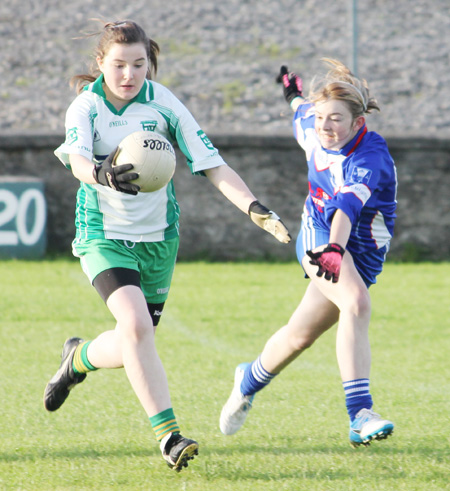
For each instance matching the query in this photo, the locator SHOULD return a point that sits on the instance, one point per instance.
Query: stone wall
(275, 170)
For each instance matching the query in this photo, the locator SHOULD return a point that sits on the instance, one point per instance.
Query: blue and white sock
(357, 396)
(255, 378)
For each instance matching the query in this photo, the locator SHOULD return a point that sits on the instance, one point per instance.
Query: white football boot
(236, 409)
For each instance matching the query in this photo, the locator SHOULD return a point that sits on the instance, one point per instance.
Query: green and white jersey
(94, 128)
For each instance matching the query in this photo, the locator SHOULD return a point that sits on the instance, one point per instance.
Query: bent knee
(358, 304)
(137, 328)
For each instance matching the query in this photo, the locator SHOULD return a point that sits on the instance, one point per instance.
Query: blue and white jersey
(360, 179)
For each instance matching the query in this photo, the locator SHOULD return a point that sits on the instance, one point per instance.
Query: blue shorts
(368, 264)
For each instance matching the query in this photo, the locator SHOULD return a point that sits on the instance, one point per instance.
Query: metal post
(354, 22)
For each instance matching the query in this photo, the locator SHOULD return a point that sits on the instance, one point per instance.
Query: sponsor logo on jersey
(149, 125)
(205, 140)
(160, 291)
(319, 197)
(71, 135)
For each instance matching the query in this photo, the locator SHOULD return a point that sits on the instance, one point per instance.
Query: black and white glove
(269, 221)
(116, 177)
(292, 84)
(329, 261)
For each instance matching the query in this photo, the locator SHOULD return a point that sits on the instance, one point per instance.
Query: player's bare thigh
(349, 293)
(314, 315)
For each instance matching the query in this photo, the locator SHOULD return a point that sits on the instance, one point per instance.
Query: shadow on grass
(381, 448)
(253, 463)
(78, 452)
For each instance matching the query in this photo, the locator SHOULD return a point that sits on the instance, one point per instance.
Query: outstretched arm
(231, 185)
(292, 87)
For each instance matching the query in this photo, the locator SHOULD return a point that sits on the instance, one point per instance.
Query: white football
(152, 156)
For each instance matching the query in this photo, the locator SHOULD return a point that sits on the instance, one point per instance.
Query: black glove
(292, 84)
(116, 177)
(269, 221)
(329, 261)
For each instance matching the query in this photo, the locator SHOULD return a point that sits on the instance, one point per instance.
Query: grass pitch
(218, 315)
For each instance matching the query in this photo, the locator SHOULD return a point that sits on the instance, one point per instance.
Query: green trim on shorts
(154, 261)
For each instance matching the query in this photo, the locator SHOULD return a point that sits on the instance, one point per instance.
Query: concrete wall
(275, 170)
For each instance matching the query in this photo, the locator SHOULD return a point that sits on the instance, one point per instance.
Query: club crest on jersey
(205, 140)
(149, 125)
(71, 136)
(359, 174)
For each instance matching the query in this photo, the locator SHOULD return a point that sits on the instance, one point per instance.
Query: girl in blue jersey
(127, 241)
(347, 225)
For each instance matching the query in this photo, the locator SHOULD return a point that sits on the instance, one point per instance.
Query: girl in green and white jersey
(127, 241)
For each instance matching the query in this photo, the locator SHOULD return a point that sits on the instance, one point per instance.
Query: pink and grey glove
(292, 84)
(329, 261)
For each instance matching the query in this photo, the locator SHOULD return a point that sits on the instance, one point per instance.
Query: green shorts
(154, 261)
